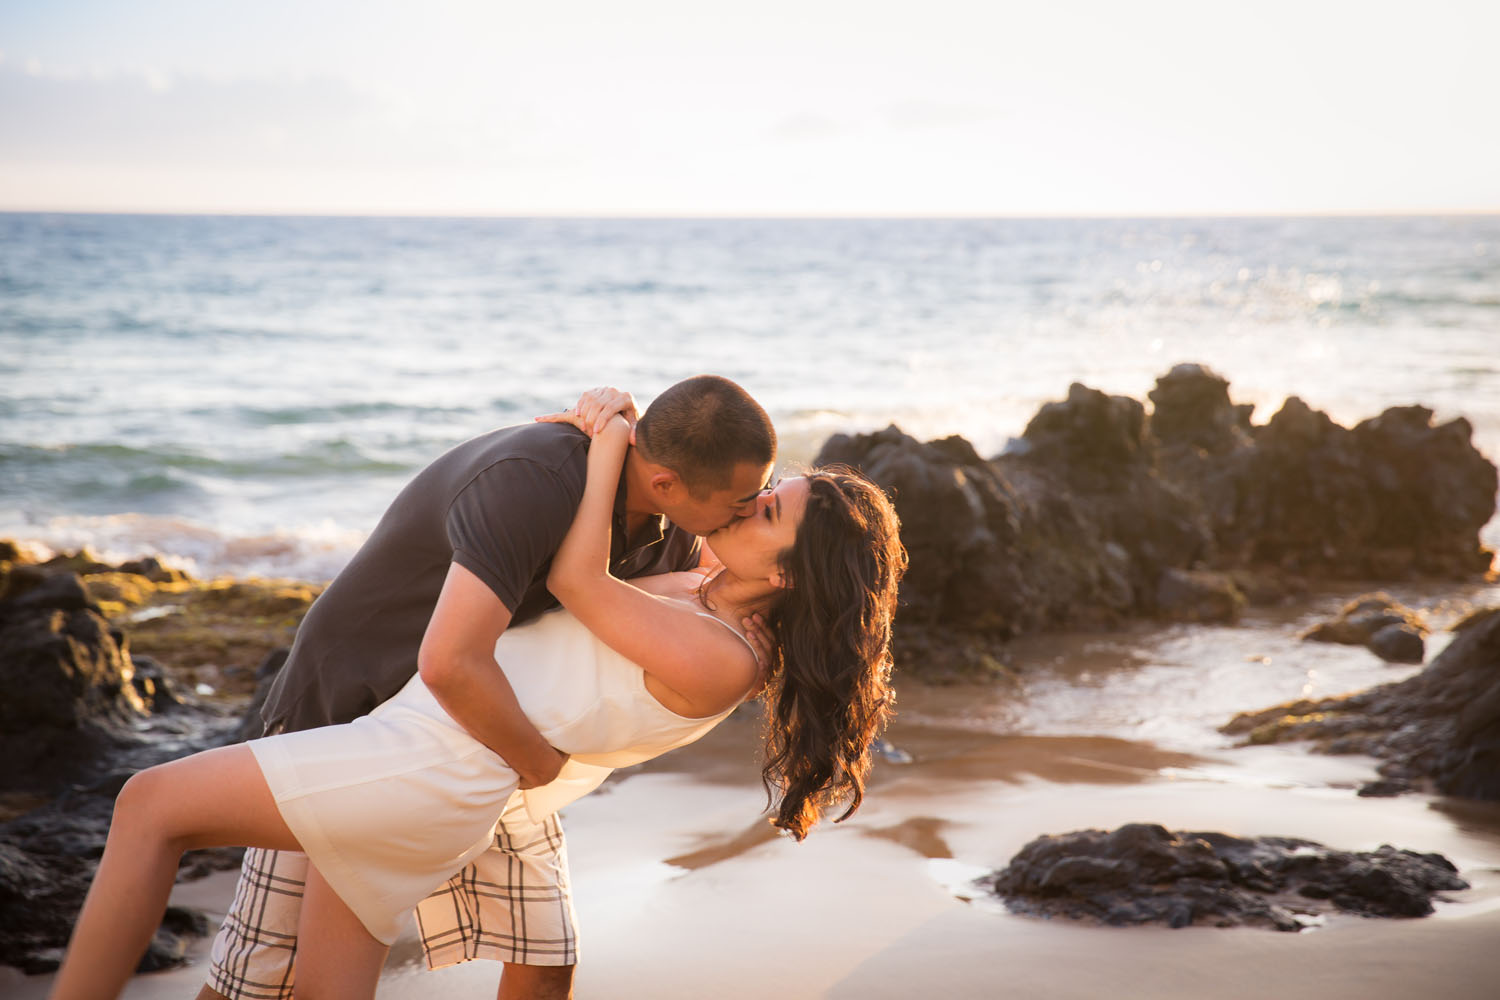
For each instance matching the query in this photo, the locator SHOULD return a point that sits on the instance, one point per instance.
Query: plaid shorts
(513, 903)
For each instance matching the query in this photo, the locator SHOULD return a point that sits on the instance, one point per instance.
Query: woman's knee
(140, 795)
(141, 806)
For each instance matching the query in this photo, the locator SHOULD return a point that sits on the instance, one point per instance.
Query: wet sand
(683, 890)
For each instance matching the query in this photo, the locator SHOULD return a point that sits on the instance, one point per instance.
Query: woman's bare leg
(211, 799)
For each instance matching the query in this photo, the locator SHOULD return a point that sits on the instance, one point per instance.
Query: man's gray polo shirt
(499, 505)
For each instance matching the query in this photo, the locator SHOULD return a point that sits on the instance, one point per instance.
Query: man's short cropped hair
(702, 428)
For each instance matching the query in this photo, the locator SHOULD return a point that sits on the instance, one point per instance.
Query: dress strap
(737, 633)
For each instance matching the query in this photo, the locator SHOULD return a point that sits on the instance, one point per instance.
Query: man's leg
(253, 954)
(512, 904)
(536, 982)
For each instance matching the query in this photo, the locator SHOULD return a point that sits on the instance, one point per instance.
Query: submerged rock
(1441, 725)
(1143, 873)
(1390, 630)
(1400, 643)
(1187, 595)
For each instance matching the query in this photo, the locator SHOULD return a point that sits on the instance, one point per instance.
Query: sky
(698, 107)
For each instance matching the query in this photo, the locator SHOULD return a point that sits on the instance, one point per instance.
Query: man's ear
(664, 482)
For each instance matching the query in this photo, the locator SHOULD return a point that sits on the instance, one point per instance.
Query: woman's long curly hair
(828, 693)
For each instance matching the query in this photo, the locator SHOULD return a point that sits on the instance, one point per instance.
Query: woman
(388, 806)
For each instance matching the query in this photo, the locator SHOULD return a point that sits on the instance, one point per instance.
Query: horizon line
(767, 217)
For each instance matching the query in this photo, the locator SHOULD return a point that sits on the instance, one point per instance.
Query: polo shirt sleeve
(507, 523)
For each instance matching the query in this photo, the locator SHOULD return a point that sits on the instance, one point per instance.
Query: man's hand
(594, 408)
(535, 776)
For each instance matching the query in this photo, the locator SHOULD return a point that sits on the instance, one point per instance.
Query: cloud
(152, 117)
(805, 126)
(155, 118)
(933, 114)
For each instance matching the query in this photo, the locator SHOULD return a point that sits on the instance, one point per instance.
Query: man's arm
(457, 663)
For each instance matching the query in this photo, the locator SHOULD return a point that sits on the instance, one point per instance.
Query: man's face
(716, 510)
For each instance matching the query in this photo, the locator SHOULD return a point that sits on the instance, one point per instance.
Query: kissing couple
(438, 707)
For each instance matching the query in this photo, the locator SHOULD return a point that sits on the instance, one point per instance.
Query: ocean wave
(279, 415)
(606, 289)
(338, 455)
(314, 552)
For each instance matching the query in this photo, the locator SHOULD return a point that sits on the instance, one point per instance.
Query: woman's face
(751, 546)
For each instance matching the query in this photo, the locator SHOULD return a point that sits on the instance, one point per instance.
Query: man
(462, 554)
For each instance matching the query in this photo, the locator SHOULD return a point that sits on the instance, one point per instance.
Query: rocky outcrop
(1070, 528)
(1143, 873)
(82, 712)
(1072, 531)
(1440, 727)
(1101, 513)
(69, 685)
(47, 861)
(1395, 497)
(1390, 630)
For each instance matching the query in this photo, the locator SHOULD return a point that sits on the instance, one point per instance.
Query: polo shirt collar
(652, 531)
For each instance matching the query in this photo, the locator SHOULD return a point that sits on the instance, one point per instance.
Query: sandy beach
(684, 891)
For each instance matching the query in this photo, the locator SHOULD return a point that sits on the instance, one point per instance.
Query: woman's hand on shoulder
(594, 410)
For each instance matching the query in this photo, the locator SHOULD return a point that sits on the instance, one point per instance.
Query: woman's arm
(584, 553)
(695, 659)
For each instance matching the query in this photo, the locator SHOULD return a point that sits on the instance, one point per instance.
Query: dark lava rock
(1143, 873)
(1191, 409)
(154, 687)
(47, 861)
(960, 523)
(1096, 437)
(1399, 643)
(1394, 497)
(1187, 595)
(1442, 724)
(1102, 513)
(1075, 530)
(1383, 789)
(67, 678)
(1090, 455)
(251, 725)
(1391, 631)
(78, 717)
(41, 892)
(152, 569)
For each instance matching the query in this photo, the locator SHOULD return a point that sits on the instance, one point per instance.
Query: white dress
(390, 805)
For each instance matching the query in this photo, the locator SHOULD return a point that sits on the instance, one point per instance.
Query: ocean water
(246, 394)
